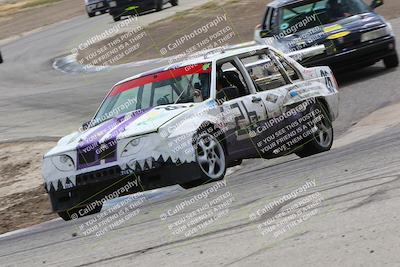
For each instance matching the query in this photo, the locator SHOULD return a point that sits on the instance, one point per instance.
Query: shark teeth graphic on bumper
(63, 183)
(149, 163)
(137, 166)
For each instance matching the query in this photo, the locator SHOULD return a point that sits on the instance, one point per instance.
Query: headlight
(132, 147)
(375, 34)
(390, 28)
(63, 163)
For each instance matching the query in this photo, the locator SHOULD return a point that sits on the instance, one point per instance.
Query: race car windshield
(187, 84)
(310, 14)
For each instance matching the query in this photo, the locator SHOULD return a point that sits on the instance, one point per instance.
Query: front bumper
(360, 55)
(113, 182)
(154, 164)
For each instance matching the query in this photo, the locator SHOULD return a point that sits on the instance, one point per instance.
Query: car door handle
(256, 99)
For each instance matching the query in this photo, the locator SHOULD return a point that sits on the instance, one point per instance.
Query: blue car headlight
(375, 34)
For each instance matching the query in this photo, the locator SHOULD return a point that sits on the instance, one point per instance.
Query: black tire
(210, 155)
(91, 15)
(1, 58)
(391, 61)
(323, 138)
(174, 2)
(159, 5)
(116, 18)
(74, 213)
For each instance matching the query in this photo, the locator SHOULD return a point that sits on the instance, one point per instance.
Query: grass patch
(11, 7)
(34, 3)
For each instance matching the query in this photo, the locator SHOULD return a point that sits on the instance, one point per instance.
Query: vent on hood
(93, 154)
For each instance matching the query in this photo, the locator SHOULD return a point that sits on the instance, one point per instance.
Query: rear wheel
(323, 137)
(91, 14)
(159, 5)
(174, 2)
(391, 61)
(73, 214)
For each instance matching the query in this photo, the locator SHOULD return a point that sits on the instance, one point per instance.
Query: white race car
(187, 123)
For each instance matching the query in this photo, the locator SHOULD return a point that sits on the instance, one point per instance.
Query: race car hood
(132, 124)
(351, 28)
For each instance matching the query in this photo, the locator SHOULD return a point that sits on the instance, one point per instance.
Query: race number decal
(240, 117)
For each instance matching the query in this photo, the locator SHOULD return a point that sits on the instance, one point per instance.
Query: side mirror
(376, 3)
(228, 93)
(85, 126)
(266, 33)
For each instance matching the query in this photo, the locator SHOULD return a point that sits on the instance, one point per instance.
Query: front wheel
(174, 2)
(211, 157)
(391, 61)
(91, 15)
(322, 139)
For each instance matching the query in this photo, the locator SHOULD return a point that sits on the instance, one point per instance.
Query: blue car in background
(341, 34)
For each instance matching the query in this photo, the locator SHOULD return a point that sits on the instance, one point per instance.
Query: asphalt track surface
(357, 219)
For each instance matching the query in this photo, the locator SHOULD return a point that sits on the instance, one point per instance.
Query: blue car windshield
(309, 14)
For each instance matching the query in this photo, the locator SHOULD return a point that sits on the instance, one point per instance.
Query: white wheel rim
(210, 156)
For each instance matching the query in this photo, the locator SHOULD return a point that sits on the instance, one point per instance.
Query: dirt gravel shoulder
(25, 209)
(242, 17)
(40, 16)
(23, 201)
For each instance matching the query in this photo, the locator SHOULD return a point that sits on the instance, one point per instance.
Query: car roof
(208, 56)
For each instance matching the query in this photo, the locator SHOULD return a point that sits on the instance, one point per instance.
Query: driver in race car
(221, 83)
